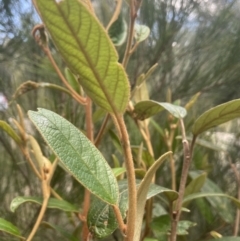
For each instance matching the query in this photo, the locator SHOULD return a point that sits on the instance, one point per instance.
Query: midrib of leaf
(91, 65)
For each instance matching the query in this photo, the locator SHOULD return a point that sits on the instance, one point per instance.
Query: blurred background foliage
(195, 43)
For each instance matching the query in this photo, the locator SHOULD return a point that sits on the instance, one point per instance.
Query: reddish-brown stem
(121, 224)
(132, 192)
(87, 194)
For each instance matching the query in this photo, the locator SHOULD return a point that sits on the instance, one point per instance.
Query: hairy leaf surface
(79, 156)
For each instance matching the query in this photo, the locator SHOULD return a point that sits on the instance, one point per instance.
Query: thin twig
(186, 164)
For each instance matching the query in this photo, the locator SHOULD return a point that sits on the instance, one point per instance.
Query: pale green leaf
(79, 156)
(217, 116)
(117, 171)
(9, 130)
(8, 227)
(88, 51)
(142, 194)
(72, 80)
(53, 203)
(118, 31)
(148, 108)
(141, 32)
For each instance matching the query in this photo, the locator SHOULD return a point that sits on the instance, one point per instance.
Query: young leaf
(216, 116)
(141, 32)
(9, 130)
(79, 156)
(88, 51)
(148, 108)
(142, 194)
(72, 80)
(52, 203)
(118, 31)
(8, 227)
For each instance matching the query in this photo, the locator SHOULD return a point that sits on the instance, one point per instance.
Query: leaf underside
(148, 108)
(78, 155)
(216, 116)
(88, 51)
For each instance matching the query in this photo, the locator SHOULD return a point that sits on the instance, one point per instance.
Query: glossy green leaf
(88, 51)
(148, 108)
(72, 80)
(142, 194)
(9, 130)
(65, 234)
(8, 227)
(118, 31)
(101, 218)
(52, 203)
(217, 116)
(79, 156)
(141, 32)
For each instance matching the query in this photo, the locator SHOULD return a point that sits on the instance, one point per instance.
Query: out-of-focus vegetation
(196, 46)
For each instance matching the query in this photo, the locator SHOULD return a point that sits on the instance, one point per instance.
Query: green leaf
(53, 203)
(225, 239)
(101, 218)
(8, 227)
(67, 236)
(118, 171)
(217, 116)
(195, 186)
(72, 80)
(79, 156)
(223, 206)
(142, 194)
(201, 195)
(141, 32)
(9, 130)
(88, 51)
(118, 31)
(162, 225)
(148, 108)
